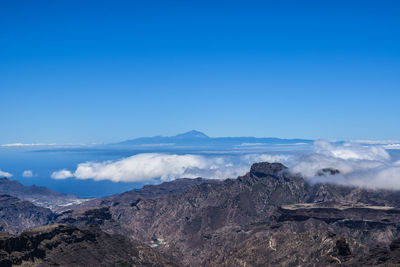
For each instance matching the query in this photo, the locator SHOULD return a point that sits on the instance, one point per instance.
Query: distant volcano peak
(192, 134)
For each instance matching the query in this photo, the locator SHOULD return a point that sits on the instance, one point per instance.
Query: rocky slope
(237, 222)
(62, 245)
(39, 195)
(148, 191)
(18, 215)
(268, 217)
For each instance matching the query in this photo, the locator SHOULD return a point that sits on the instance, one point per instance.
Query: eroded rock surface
(62, 245)
(268, 217)
(17, 215)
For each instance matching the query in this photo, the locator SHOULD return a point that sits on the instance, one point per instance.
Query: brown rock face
(262, 169)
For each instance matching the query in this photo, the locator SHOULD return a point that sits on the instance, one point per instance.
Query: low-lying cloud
(366, 165)
(139, 168)
(5, 174)
(62, 174)
(22, 144)
(149, 166)
(27, 173)
(351, 151)
(252, 158)
(347, 158)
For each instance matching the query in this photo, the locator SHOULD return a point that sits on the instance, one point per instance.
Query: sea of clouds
(149, 166)
(360, 164)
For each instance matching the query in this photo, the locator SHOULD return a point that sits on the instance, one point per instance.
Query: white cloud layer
(27, 173)
(149, 166)
(252, 158)
(139, 168)
(62, 174)
(375, 142)
(351, 151)
(359, 165)
(22, 144)
(5, 174)
(392, 146)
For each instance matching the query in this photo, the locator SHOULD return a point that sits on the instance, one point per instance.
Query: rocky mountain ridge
(18, 215)
(38, 195)
(198, 138)
(209, 221)
(268, 217)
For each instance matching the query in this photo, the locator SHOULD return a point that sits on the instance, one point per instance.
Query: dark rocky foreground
(268, 217)
(62, 245)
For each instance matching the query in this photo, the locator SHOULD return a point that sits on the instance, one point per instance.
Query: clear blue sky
(103, 71)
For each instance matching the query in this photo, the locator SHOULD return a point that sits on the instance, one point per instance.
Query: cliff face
(18, 215)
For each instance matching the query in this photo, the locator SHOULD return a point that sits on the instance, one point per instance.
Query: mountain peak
(266, 168)
(192, 134)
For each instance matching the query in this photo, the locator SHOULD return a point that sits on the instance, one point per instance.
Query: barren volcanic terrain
(268, 217)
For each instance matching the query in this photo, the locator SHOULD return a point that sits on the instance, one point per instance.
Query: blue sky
(104, 71)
